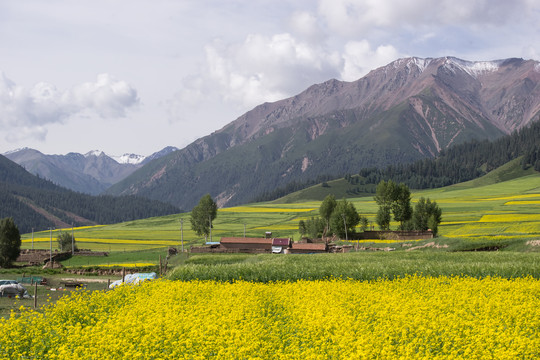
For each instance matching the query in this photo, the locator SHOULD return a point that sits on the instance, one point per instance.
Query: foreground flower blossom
(411, 318)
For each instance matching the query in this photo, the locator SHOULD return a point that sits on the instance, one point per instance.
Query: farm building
(246, 243)
(261, 245)
(308, 248)
(279, 245)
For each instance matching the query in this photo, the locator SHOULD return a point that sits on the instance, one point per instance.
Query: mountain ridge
(399, 113)
(410, 109)
(89, 173)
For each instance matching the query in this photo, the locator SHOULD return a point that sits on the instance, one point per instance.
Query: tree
(401, 204)
(427, 215)
(302, 227)
(364, 223)
(314, 227)
(65, 240)
(344, 218)
(384, 193)
(393, 199)
(10, 242)
(384, 196)
(326, 209)
(383, 217)
(202, 216)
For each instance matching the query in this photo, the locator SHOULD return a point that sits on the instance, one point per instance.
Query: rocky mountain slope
(409, 109)
(90, 173)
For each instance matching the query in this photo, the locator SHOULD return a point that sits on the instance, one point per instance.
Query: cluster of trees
(202, 216)
(336, 217)
(10, 242)
(531, 158)
(395, 199)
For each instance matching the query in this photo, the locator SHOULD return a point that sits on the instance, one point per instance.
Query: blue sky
(138, 75)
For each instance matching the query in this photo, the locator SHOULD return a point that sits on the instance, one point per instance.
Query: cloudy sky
(138, 75)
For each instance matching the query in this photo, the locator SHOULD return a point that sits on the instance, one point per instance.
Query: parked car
(12, 288)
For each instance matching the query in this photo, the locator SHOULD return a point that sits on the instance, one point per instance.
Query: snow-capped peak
(475, 68)
(133, 159)
(421, 63)
(16, 150)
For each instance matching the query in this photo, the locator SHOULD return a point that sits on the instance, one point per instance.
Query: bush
(65, 240)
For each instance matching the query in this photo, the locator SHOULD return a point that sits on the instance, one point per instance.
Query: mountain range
(36, 203)
(89, 173)
(410, 109)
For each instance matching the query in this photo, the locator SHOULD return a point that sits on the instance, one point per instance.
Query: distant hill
(90, 173)
(38, 203)
(475, 163)
(408, 110)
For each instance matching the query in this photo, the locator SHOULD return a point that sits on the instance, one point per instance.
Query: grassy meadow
(476, 212)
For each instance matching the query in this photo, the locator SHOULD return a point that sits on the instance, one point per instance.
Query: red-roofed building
(308, 248)
(246, 243)
(279, 245)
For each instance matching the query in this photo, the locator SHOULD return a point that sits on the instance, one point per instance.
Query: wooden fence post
(35, 295)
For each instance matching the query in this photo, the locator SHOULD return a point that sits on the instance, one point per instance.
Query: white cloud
(26, 112)
(107, 97)
(260, 69)
(306, 25)
(354, 17)
(360, 58)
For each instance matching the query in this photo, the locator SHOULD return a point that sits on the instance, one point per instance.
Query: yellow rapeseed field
(410, 318)
(259, 209)
(109, 241)
(127, 265)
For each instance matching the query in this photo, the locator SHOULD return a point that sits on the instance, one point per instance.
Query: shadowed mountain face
(35, 203)
(90, 173)
(409, 109)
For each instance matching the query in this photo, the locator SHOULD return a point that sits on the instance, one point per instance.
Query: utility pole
(72, 241)
(244, 230)
(182, 233)
(345, 224)
(210, 219)
(32, 238)
(50, 247)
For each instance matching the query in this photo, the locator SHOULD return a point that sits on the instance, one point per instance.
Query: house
(279, 245)
(308, 248)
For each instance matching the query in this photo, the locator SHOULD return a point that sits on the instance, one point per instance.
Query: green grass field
(477, 211)
(357, 265)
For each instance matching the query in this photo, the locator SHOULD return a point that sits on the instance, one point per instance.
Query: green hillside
(35, 203)
(348, 187)
(485, 209)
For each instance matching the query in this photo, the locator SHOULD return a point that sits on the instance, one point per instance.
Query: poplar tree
(202, 216)
(10, 242)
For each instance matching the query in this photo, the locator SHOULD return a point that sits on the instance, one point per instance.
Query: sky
(135, 76)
